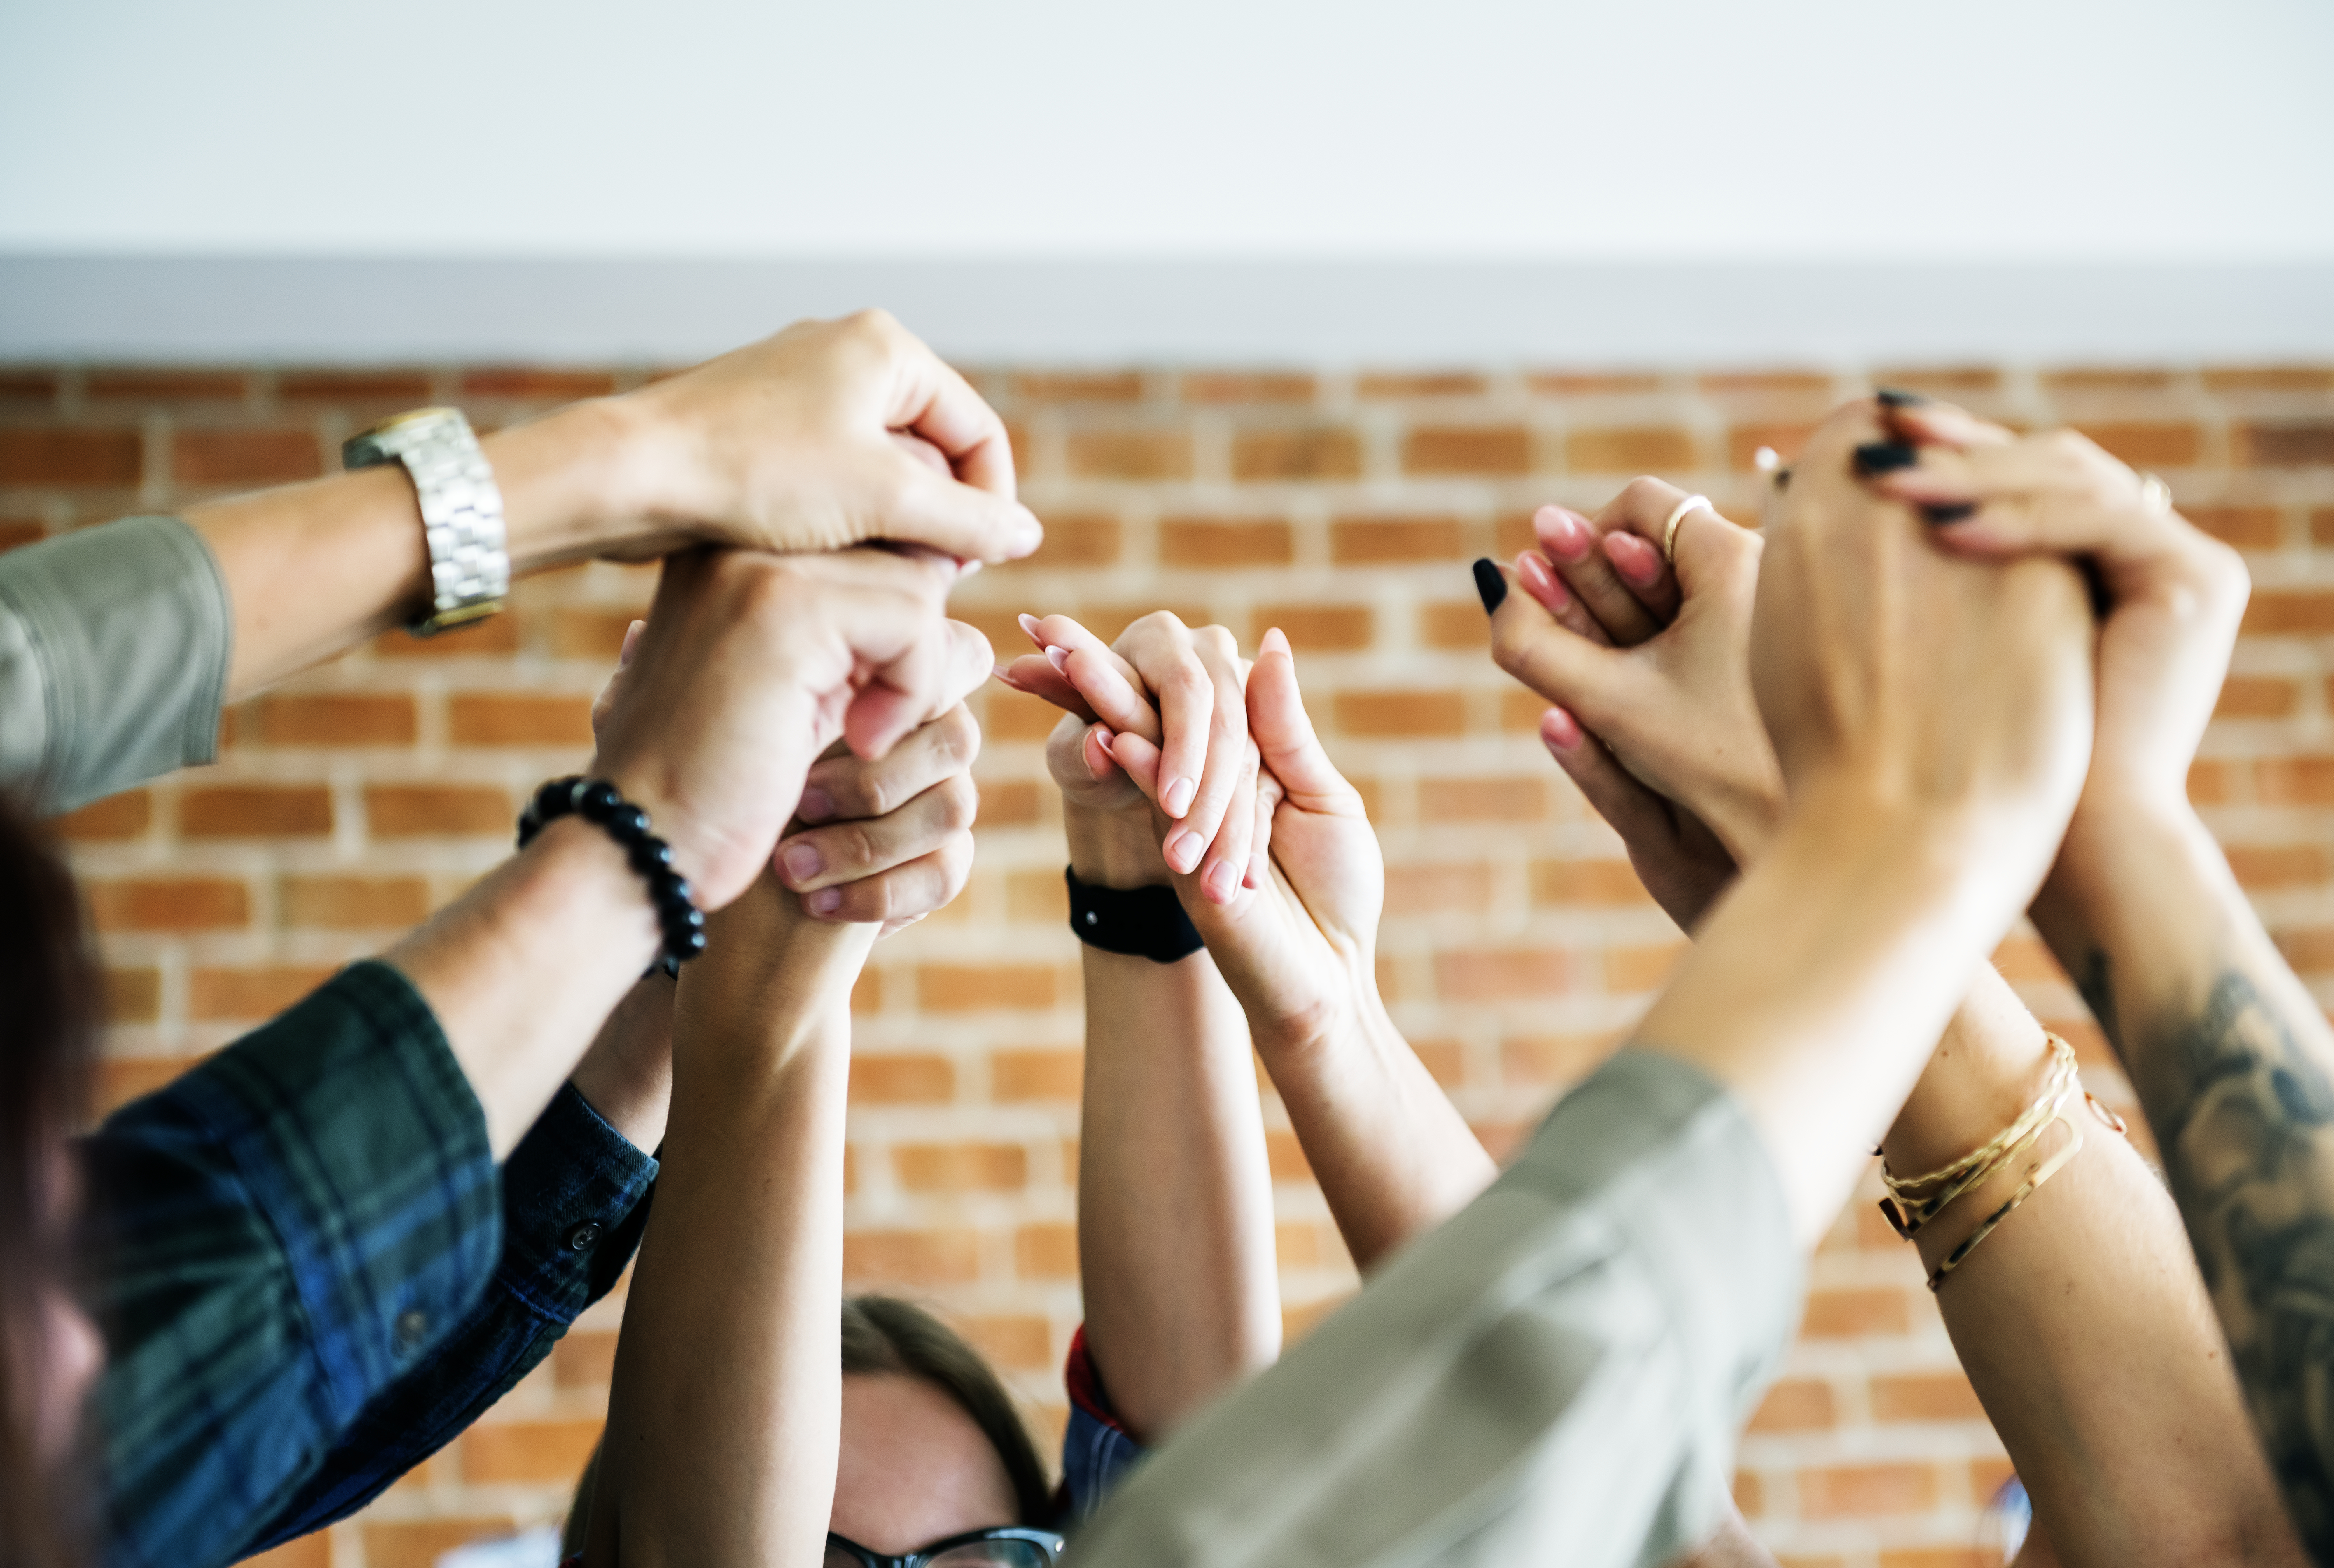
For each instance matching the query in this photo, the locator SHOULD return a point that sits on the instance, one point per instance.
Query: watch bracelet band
(1139, 922)
(461, 510)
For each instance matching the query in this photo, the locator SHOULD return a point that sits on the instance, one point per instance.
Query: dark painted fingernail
(1876, 457)
(1951, 512)
(1490, 585)
(1892, 398)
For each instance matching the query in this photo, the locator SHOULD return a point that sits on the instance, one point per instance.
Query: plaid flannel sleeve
(575, 1196)
(283, 1233)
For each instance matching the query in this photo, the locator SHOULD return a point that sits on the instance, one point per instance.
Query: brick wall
(1341, 507)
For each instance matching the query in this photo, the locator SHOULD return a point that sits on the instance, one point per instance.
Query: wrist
(1114, 849)
(581, 868)
(580, 483)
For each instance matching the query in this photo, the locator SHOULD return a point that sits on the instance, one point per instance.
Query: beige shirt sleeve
(113, 658)
(1555, 1376)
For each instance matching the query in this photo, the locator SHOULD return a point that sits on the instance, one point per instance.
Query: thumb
(1553, 660)
(922, 506)
(1283, 732)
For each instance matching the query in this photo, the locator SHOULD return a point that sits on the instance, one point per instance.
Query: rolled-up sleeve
(114, 643)
(1556, 1375)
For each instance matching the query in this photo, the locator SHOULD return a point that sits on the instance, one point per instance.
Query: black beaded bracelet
(1140, 922)
(598, 802)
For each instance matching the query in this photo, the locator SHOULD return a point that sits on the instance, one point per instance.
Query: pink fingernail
(1255, 877)
(1222, 881)
(1005, 677)
(1177, 797)
(801, 860)
(1560, 730)
(1059, 658)
(1029, 625)
(1542, 583)
(1563, 533)
(815, 805)
(1183, 850)
(825, 902)
(1633, 558)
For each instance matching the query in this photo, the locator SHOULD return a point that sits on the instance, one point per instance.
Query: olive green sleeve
(113, 656)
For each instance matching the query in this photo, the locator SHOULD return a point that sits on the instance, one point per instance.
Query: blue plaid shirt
(312, 1277)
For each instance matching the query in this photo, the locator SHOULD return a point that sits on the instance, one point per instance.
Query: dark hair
(883, 1335)
(48, 1024)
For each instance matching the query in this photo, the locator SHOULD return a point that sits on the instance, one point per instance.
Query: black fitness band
(1140, 922)
(597, 802)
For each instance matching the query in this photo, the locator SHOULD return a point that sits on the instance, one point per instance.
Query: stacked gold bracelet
(1913, 1201)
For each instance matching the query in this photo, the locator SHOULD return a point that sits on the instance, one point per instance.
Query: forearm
(626, 1074)
(1175, 1236)
(2088, 1278)
(1393, 1155)
(2234, 1066)
(522, 969)
(314, 569)
(726, 1394)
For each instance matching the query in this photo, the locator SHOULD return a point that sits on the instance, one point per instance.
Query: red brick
(1459, 625)
(1316, 628)
(1317, 452)
(1424, 890)
(1130, 455)
(1227, 542)
(1519, 711)
(403, 388)
(1285, 1157)
(308, 1552)
(2104, 379)
(1244, 387)
(518, 718)
(1852, 1313)
(495, 634)
(1415, 384)
(2310, 951)
(2290, 866)
(122, 816)
(244, 457)
(1863, 1491)
(1744, 441)
(867, 992)
(420, 1543)
(1501, 974)
(1483, 800)
(168, 904)
(354, 903)
(1590, 384)
(1078, 541)
(2321, 525)
(1021, 1343)
(1046, 1252)
(966, 988)
(2246, 527)
(883, 1079)
(69, 457)
(519, 384)
(1077, 386)
(961, 1167)
(341, 718)
(1032, 1074)
(1008, 715)
(1631, 971)
(1810, 384)
(2283, 445)
(27, 385)
(2148, 444)
(123, 1078)
(252, 994)
(1947, 382)
(15, 533)
(585, 1358)
(1397, 714)
(504, 1452)
(1938, 1557)
(1658, 450)
(1924, 1397)
(2274, 611)
(2269, 378)
(1498, 450)
(1797, 1405)
(256, 811)
(136, 384)
(1383, 540)
(436, 810)
(1013, 803)
(596, 635)
(911, 1257)
(2283, 781)
(1596, 883)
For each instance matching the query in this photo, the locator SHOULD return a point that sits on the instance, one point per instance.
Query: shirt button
(583, 1236)
(410, 1327)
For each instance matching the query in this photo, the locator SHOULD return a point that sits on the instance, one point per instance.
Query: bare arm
(727, 1397)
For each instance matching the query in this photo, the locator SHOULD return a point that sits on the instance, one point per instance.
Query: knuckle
(855, 845)
(956, 736)
(1645, 493)
(958, 804)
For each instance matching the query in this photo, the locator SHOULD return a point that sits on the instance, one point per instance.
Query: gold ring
(2155, 495)
(1670, 528)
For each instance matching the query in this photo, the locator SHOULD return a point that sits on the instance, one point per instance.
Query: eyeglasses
(976, 1549)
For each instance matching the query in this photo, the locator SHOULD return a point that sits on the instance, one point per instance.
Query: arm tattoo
(2247, 1129)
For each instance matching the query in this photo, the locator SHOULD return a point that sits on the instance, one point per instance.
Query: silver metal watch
(461, 510)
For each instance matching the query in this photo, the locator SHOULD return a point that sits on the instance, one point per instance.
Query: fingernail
(1183, 850)
(1177, 797)
(825, 902)
(1029, 625)
(1891, 398)
(815, 805)
(1256, 872)
(1541, 583)
(1490, 586)
(1633, 558)
(1223, 881)
(801, 860)
(1059, 658)
(1565, 533)
(1948, 514)
(1876, 457)
(965, 568)
(1560, 730)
